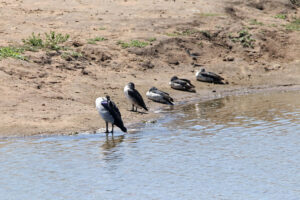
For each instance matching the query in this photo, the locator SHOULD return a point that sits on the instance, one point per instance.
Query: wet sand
(52, 95)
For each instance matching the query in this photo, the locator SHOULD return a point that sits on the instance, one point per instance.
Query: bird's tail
(124, 129)
(145, 107)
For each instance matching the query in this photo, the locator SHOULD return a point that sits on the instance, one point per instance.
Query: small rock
(229, 59)
(77, 44)
(84, 72)
(147, 64)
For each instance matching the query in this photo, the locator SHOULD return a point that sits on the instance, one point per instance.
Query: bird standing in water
(108, 110)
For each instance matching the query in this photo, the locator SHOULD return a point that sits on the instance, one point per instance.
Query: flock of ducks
(110, 113)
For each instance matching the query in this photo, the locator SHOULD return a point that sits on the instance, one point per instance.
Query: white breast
(175, 85)
(102, 111)
(153, 96)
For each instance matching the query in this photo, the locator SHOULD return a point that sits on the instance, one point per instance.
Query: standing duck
(181, 84)
(108, 110)
(209, 77)
(159, 96)
(134, 97)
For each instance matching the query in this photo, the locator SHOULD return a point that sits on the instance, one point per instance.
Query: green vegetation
(51, 41)
(187, 32)
(152, 39)
(133, 43)
(102, 28)
(95, 40)
(294, 25)
(12, 52)
(255, 22)
(73, 54)
(281, 16)
(245, 39)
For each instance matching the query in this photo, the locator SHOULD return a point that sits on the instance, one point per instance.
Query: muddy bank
(252, 44)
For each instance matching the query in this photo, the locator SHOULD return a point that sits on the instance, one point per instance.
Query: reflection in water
(236, 111)
(228, 148)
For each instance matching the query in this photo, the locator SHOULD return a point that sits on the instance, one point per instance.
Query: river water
(245, 147)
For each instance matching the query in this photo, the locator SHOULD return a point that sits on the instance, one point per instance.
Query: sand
(51, 94)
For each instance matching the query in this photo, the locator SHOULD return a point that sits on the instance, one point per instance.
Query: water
(232, 148)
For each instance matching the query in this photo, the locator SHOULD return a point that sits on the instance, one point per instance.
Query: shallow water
(244, 147)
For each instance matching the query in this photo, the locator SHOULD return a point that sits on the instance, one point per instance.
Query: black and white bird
(209, 77)
(134, 97)
(181, 84)
(159, 96)
(108, 110)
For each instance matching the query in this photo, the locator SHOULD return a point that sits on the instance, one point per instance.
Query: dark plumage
(159, 96)
(209, 77)
(181, 84)
(134, 97)
(110, 113)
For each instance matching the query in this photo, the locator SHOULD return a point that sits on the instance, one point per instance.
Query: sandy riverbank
(50, 93)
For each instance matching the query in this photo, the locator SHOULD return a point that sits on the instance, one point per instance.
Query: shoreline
(184, 100)
(51, 89)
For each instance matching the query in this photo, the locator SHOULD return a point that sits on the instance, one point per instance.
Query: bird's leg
(136, 109)
(106, 123)
(112, 129)
(132, 109)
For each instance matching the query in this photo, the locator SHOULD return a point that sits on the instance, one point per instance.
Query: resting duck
(159, 96)
(108, 110)
(181, 84)
(134, 97)
(210, 77)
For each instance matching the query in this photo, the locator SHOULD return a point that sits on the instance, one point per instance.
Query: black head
(202, 70)
(131, 85)
(107, 97)
(174, 78)
(153, 88)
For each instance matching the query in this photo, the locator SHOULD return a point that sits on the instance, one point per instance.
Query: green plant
(53, 40)
(73, 54)
(96, 39)
(281, 16)
(12, 52)
(133, 43)
(34, 40)
(294, 25)
(255, 22)
(102, 28)
(186, 32)
(152, 39)
(244, 37)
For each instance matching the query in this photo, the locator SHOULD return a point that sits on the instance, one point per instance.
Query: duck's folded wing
(188, 81)
(137, 96)
(114, 108)
(212, 75)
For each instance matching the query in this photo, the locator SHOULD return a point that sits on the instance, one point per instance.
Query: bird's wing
(188, 81)
(113, 106)
(137, 96)
(114, 111)
(212, 75)
(161, 92)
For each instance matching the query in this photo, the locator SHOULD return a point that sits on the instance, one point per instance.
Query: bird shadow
(139, 112)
